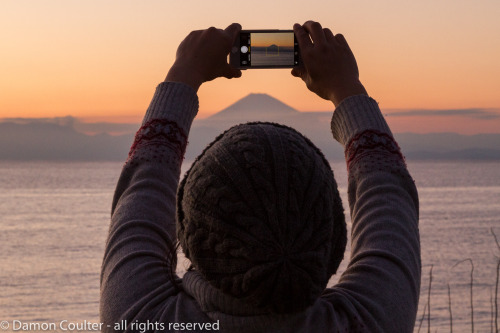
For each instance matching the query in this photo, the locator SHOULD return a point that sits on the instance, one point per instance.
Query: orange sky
(102, 58)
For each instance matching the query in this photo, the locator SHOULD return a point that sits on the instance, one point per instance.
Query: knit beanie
(260, 217)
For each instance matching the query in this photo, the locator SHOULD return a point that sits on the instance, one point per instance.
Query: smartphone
(265, 49)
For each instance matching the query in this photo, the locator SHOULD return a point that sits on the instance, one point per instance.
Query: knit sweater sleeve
(135, 275)
(381, 284)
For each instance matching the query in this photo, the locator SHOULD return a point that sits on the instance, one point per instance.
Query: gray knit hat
(260, 217)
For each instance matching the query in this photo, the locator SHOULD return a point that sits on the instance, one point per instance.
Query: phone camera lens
(244, 49)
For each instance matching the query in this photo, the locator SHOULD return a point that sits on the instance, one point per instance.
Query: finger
(330, 37)
(341, 40)
(233, 30)
(302, 37)
(298, 71)
(230, 72)
(316, 31)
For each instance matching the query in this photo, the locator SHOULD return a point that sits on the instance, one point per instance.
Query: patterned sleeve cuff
(156, 139)
(358, 124)
(357, 114)
(173, 101)
(164, 132)
(374, 143)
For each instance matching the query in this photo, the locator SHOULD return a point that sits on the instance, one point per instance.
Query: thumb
(297, 72)
(230, 72)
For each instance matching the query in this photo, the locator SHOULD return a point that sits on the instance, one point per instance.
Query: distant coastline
(69, 139)
(49, 141)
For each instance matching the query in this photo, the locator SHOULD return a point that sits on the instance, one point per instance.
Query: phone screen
(268, 49)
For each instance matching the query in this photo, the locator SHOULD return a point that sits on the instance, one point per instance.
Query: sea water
(54, 220)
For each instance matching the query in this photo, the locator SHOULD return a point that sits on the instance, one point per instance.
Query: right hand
(202, 56)
(328, 67)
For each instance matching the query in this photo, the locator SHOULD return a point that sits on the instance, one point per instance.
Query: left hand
(328, 67)
(202, 56)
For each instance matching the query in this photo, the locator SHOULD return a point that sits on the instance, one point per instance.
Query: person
(259, 214)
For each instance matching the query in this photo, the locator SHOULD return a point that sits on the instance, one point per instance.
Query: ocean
(54, 220)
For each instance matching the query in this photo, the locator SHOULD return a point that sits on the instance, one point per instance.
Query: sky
(102, 59)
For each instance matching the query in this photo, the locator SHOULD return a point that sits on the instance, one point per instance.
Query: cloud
(69, 121)
(78, 125)
(485, 114)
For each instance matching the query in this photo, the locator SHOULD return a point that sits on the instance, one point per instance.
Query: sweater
(378, 291)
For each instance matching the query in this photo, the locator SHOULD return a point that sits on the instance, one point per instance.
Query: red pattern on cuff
(371, 141)
(159, 133)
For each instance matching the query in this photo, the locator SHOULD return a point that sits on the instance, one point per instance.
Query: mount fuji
(255, 107)
(262, 107)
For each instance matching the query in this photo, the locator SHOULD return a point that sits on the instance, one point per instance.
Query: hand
(328, 66)
(202, 56)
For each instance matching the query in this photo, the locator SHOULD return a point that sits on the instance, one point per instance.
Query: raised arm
(380, 288)
(139, 253)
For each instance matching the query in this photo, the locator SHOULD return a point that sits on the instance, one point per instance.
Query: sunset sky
(102, 59)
